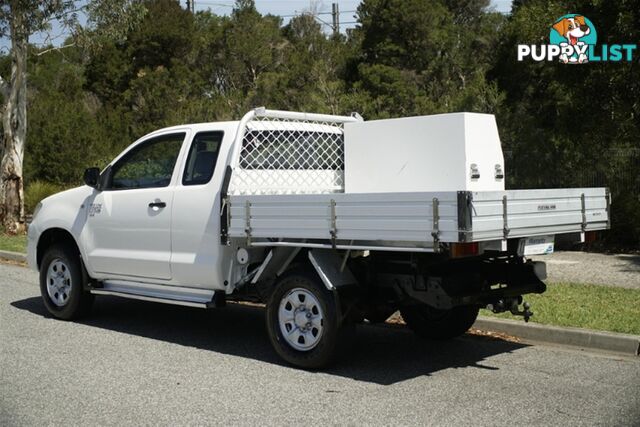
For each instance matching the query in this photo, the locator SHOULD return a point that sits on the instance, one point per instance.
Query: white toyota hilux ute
(329, 220)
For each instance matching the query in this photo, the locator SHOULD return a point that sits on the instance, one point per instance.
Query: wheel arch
(54, 236)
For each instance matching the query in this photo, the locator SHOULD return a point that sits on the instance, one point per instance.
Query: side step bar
(190, 297)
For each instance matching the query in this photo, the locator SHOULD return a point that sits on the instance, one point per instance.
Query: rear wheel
(62, 283)
(303, 321)
(432, 323)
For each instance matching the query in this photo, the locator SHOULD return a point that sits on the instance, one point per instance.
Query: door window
(149, 164)
(201, 161)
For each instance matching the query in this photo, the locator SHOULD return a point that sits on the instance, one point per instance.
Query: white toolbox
(444, 152)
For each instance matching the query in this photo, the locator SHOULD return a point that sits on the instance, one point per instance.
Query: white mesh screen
(290, 157)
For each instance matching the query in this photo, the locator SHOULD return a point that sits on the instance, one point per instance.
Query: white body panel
(426, 153)
(423, 163)
(125, 239)
(197, 257)
(124, 235)
(64, 211)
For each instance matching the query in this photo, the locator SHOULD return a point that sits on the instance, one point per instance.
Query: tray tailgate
(539, 212)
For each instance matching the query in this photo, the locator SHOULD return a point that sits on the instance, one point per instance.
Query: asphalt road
(135, 363)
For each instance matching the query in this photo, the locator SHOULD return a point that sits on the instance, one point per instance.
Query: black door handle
(157, 205)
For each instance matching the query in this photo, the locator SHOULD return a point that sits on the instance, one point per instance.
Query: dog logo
(574, 34)
(573, 40)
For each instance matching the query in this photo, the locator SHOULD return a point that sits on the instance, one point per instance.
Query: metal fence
(617, 169)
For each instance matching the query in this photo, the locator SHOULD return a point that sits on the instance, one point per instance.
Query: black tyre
(432, 323)
(303, 321)
(62, 283)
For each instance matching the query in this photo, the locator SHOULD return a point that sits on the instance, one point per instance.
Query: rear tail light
(459, 250)
(590, 236)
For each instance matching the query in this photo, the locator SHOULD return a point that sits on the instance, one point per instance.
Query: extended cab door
(197, 258)
(129, 221)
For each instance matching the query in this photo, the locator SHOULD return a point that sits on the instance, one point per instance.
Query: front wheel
(62, 283)
(432, 323)
(303, 321)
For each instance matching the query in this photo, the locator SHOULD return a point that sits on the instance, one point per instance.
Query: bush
(36, 191)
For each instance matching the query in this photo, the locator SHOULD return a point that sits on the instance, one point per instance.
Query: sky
(284, 8)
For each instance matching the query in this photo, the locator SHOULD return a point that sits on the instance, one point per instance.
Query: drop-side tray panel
(408, 218)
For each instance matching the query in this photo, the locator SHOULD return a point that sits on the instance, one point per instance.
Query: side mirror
(92, 177)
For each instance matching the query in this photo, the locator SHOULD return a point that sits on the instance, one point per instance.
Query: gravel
(618, 270)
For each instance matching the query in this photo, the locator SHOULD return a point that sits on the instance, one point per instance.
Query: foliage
(420, 57)
(142, 65)
(19, 19)
(577, 124)
(65, 134)
(36, 192)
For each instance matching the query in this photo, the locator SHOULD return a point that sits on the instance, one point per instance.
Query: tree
(65, 133)
(580, 124)
(251, 46)
(424, 56)
(18, 20)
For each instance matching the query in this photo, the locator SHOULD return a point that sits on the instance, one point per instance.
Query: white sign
(539, 245)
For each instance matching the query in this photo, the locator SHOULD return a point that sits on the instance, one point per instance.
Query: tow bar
(512, 305)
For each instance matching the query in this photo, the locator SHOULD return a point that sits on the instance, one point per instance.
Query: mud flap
(328, 265)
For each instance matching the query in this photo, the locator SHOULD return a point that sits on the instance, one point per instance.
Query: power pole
(335, 15)
(191, 6)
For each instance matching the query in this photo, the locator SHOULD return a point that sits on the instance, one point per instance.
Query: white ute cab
(329, 220)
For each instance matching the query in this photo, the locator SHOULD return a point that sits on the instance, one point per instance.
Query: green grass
(585, 306)
(13, 243)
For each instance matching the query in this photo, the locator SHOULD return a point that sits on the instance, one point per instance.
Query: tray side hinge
(583, 204)
(334, 229)
(247, 225)
(505, 222)
(435, 229)
(465, 217)
(607, 195)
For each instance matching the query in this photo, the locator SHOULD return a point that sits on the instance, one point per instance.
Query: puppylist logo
(573, 40)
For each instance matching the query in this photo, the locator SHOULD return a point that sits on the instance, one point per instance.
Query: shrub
(36, 191)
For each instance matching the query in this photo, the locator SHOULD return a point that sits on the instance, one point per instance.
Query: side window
(148, 165)
(201, 161)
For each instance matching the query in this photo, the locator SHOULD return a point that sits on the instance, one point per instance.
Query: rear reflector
(459, 250)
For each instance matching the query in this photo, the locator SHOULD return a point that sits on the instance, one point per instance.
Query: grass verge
(11, 243)
(602, 308)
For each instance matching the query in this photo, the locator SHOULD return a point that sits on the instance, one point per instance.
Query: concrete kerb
(575, 337)
(13, 256)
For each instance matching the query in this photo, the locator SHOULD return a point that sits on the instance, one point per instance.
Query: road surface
(137, 363)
